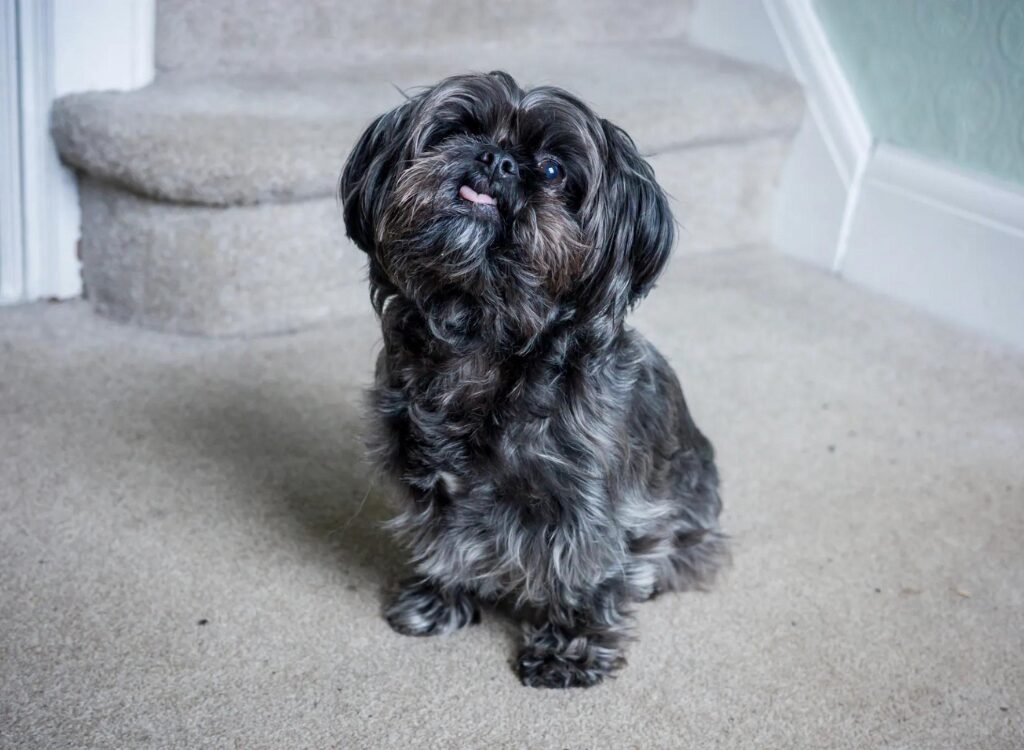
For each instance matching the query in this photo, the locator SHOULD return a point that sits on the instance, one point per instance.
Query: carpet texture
(233, 139)
(231, 270)
(199, 188)
(192, 556)
(216, 270)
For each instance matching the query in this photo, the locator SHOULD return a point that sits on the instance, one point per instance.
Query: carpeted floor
(191, 553)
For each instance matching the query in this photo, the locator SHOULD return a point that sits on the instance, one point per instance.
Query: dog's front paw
(420, 608)
(551, 658)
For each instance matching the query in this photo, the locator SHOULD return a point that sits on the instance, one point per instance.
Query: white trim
(11, 242)
(49, 269)
(817, 194)
(854, 188)
(944, 240)
(830, 98)
(974, 197)
(63, 46)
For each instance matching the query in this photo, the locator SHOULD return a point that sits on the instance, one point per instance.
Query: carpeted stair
(209, 196)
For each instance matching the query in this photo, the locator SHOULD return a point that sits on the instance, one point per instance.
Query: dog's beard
(431, 235)
(514, 258)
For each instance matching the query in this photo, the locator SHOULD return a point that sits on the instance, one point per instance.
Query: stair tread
(237, 139)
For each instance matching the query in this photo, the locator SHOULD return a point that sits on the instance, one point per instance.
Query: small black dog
(546, 457)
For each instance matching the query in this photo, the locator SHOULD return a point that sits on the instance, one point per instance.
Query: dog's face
(477, 188)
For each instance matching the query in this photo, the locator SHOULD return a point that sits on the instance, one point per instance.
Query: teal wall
(944, 78)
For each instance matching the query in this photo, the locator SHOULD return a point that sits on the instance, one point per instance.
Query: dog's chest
(498, 457)
(469, 426)
(495, 497)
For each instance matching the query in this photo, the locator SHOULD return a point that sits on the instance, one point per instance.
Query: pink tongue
(474, 197)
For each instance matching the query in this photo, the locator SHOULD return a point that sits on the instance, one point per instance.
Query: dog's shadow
(294, 468)
(295, 464)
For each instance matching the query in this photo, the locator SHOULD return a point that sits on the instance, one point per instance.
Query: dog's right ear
(370, 173)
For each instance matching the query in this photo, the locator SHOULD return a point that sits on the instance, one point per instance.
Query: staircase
(208, 197)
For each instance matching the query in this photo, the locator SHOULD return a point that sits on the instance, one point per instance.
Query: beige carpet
(191, 556)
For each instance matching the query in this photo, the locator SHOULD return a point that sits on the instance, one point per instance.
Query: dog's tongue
(474, 197)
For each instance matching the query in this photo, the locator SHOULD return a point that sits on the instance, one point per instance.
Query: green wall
(944, 78)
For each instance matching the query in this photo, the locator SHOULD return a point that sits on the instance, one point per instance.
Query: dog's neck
(457, 350)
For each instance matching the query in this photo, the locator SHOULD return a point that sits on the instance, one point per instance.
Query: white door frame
(51, 48)
(11, 241)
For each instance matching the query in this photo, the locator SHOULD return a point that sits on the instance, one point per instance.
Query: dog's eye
(551, 170)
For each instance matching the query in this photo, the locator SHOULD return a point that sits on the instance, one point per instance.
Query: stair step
(214, 270)
(208, 202)
(721, 193)
(227, 140)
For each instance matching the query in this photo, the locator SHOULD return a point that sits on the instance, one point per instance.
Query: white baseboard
(811, 200)
(942, 239)
(830, 99)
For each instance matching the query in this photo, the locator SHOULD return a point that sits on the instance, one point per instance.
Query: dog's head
(480, 189)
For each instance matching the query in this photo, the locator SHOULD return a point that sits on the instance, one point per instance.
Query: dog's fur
(545, 454)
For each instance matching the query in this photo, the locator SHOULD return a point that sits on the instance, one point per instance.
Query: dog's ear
(639, 227)
(370, 172)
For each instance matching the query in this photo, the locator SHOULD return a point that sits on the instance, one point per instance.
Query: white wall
(102, 44)
(740, 29)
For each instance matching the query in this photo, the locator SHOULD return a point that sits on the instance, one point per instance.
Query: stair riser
(722, 195)
(254, 35)
(275, 267)
(216, 271)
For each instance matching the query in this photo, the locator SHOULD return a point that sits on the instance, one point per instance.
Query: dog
(546, 460)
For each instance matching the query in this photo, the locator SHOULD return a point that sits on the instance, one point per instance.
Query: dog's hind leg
(696, 558)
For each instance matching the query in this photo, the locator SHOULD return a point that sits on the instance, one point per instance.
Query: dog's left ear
(641, 228)
(370, 173)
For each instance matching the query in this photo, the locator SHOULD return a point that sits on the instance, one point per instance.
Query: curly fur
(543, 451)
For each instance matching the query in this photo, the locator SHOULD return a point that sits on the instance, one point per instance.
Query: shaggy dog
(545, 456)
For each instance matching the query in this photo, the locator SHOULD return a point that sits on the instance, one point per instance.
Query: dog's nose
(502, 165)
